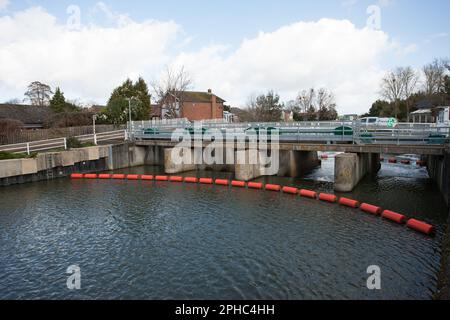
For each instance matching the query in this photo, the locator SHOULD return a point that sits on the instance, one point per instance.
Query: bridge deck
(367, 148)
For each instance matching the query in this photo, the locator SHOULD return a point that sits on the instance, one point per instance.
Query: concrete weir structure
(350, 168)
(246, 164)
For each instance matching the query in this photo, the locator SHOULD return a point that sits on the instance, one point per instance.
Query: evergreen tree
(58, 102)
(117, 108)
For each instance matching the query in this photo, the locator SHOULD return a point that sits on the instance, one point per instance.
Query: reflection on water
(136, 239)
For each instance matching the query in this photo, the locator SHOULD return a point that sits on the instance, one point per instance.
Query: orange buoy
(308, 194)
(222, 182)
(273, 187)
(392, 160)
(370, 209)
(420, 226)
(206, 180)
(240, 184)
(76, 175)
(90, 176)
(190, 180)
(118, 176)
(421, 163)
(290, 190)
(104, 176)
(406, 162)
(146, 177)
(133, 177)
(328, 197)
(161, 178)
(255, 185)
(176, 179)
(394, 216)
(349, 202)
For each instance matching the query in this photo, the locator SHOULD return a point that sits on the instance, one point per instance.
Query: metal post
(65, 143)
(95, 139)
(28, 148)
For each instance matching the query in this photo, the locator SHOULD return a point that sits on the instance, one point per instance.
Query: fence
(48, 134)
(61, 143)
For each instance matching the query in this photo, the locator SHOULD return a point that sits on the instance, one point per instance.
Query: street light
(129, 116)
(94, 117)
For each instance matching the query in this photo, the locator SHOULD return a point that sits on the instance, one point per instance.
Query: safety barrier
(273, 187)
(420, 226)
(290, 190)
(222, 182)
(414, 224)
(328, 197)
(349, 202)
(190, 180)
(370, 209)
(308, 194)
(239, 184)
(394, 216)
(255, 185)
(206, 181)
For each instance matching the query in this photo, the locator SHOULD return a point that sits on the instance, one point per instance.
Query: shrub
(74, 143)
(9, 155)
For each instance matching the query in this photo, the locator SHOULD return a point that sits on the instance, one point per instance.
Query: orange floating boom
(328, 197)
(394, 216)
(370, 209)
(290, 190)
(308, 194)
(273, 187)
(420, 226)
(349, 202)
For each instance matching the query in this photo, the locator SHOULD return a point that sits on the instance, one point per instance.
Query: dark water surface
(135, 239)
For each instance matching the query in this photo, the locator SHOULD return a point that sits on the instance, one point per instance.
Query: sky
(238, 49)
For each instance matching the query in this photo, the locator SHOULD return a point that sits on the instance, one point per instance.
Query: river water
(161, 240)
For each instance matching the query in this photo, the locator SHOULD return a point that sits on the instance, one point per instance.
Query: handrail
(42, 145)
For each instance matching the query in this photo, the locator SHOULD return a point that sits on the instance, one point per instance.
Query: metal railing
(314, 131)
(59, 143)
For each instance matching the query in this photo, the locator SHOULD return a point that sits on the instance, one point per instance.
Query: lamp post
(94, 117)
(129, 117)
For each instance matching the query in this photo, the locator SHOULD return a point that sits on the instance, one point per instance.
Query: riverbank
(443, 291)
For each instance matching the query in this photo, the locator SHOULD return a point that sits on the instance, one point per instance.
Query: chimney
(209, 91)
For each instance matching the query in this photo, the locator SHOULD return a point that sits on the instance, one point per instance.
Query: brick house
(193, 105)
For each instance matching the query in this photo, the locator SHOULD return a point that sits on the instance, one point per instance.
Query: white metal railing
(324, 131)
(43, 145)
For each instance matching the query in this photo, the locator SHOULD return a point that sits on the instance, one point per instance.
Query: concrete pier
(350, 168)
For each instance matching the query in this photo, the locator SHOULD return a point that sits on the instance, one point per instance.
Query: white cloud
(89, 63)
(328, 53)
(4, 4)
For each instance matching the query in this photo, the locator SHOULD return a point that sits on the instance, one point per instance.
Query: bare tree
(170, 91)
(326, 105)
(434, 76)
(392, 87)
(306, 99)
(409, 79)
(39, 93)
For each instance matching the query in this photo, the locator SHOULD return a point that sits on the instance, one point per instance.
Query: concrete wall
(350, 168)
(59, 164)
(439, 170)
